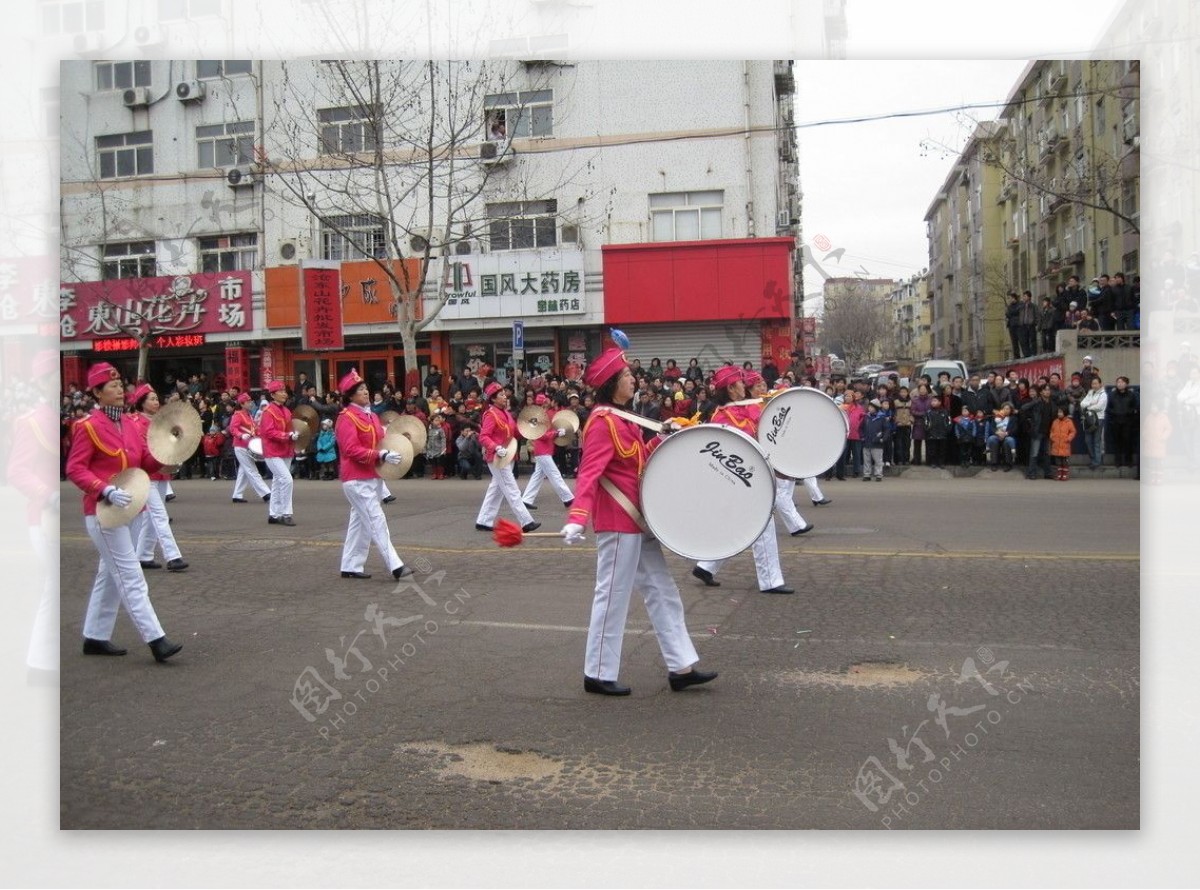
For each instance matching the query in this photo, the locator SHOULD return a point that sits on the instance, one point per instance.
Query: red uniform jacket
(242, 425)
(358, 434)
(496, 431)
(99, 450)
(275, 427)
(142, 422)
(31, 465)
(612, 447)
(741, 417)
(543, 445)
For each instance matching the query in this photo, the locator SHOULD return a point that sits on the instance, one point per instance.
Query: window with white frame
(353, 237)
(187, 9)
(347, 130)
(686, 216)
(122, 75)
(225, 145)
(516, 225)
(125, 154)
(519, 114)
(131, 259)
(207, 69)
(228, 253)
(72, 17)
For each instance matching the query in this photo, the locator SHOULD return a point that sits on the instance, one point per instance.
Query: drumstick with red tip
(509, 534)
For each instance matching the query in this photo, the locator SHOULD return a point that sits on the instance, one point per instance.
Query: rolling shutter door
(710, 343)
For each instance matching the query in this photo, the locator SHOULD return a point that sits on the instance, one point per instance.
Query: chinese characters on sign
(237, 367)
(128, 344)
(209, 303)
(321, 306)
(517, 284)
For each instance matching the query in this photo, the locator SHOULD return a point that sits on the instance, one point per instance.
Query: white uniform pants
(814, 488)
(248, 472)
(119, 582)
(502, 487)
(281, 486)
(625, 561)
(766, 559)
(156, 527)
(43, 642)
(785, 505)
(544, 468)
(367, 524)
(384, 491)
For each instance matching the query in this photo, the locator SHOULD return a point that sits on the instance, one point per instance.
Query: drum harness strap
(607, 484)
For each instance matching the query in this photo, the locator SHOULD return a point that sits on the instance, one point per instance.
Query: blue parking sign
(518, 335)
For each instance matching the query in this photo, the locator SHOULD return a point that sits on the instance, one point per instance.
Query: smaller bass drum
(802, 431)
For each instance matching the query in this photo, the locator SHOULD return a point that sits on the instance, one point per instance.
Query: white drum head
(802, 431)
(254, 446)
(707, 492)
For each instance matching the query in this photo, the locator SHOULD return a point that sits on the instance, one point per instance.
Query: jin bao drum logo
(733, 462)
(778, 424)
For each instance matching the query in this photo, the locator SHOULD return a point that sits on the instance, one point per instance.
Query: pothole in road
(864, 674)
(487, 763)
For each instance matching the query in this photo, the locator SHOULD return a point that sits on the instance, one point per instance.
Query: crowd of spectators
(1106, 304)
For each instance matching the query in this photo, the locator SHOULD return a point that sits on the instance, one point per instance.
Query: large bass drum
(707, 492)
(802, 431)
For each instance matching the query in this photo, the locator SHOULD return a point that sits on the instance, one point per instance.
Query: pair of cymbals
(133, 480)
(410, 426)
(309, 415)
(397, 441)
(510, 454)
(174, 433)
(304, 434)
(388, 416)
(533, 421)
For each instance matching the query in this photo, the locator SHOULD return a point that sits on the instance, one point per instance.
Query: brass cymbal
(533, 421)
(135, 481)
(174, 433)
(395, 440)
(510, 455)
(309, 415)
(304, 436)
(565, 419)
(412, 428)
(388, 416)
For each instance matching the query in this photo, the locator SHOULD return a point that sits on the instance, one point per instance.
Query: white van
(935, 366)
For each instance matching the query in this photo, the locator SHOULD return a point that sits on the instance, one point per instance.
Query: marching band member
(785, 487)
(728, 387)
(613, 454)
(243, 428)
(156, 526)
(102, 445)
(275, 427)
(543, 459)
(496, 431)
(359, 432)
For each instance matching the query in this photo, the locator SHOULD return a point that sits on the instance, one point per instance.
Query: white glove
(562, 432)
(393, 457)
(118, 497)
(245, 437)
(572, 532)
(293, 435)
(501, 451)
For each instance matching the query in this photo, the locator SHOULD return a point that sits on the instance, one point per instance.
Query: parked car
(935, 366)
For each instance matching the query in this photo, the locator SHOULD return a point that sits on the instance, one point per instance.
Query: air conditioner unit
(419, 239)
(570, 235)
(149, 35)
(462, 248)
(1052, 254)
(190, 90)
(136, 97)
(290, 250)
(493, 153)
(783, 219)
(241, 177)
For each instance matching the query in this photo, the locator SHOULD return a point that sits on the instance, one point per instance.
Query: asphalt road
(963, 628)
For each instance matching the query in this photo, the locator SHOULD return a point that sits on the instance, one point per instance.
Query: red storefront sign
(777, 343)
(237, 367)
(208, 303)
(321, 306)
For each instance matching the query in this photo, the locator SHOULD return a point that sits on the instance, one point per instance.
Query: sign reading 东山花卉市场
(513, 284)
(206, 303)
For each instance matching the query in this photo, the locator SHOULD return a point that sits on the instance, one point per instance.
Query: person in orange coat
(1062, 432)
(613, 449)
(102, 445)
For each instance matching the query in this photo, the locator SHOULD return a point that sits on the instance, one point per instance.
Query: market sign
(524, 284)
(207, 303)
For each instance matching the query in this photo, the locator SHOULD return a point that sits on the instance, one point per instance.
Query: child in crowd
(873, 431)
(937, 432)
(327, 450)
(964, 434)
(1062, 432)
(1002, 438)
(435, 446)
(213, 441)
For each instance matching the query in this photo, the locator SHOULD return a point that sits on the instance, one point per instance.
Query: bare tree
(855, 324)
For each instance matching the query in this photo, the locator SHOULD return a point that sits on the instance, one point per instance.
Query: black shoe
(604, 687)
(866, 478)
(355, 575)
(286, 520)
(680, 682)
(480, 527)
(169, 497)
(402, 572)
(389, 499)
(822, 502)
(1008, 469)
(164, 648)
(706, 577)
(803, 531)
(151, 564)
(994, 468)
(176, 565)
(273, 520)
(531, 527)
(530, 506)
(568, 504)
(238, 500)
(101, 647)
(266, 498)
(782, 588)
